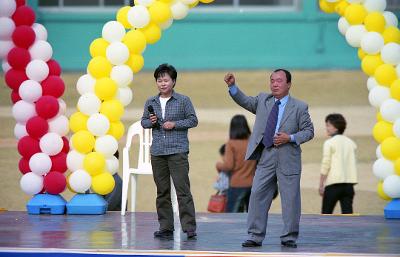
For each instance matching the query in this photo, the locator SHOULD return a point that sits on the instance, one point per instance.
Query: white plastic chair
(143, 166)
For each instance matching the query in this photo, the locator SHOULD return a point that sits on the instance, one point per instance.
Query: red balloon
(23, 166)
(28, 146)
(37, 127)
(54, 182)
(59, 162)
(47, 107)
(23, 36)
(24, 15)
(66, 145)
(18, 58)
(54, 86)
(20, 2)
(14, 78)
(15, 96)
(54, 67)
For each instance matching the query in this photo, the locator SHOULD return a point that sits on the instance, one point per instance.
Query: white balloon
(138, 16)
(125, 95)
(40, 163)
(375, 5)
(7, 26)
(5, 66)
(37, 70)
(144, 2)
(343, 25)
(20, 130)
(22, 111)
(80, 181)
(378, 95)
(391, 19)
(63, 106)
(107, 145)
(7, 8)
(391, 186)
(390, 110)
(59, 125)
(372, 43)
(371, 83)
(117, 53)
(179, 10)
(31, 183)
(5, 47)
(396, 128)
(30, 91)
(75, 160)
(354, 34)
(40, 31)
(85, 84)
(112, 165)
(378, 152)
(383, 168)
(167, 24)
(113, 31)
(89, 104)
(51, 143)
(390, 53)
(122, 75)
(98, 124)
(41, 50)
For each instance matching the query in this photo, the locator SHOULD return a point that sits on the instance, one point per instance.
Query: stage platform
(111, 234)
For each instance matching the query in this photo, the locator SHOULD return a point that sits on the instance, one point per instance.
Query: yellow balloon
(341, 7)
(160, 12)
(391, 34)
(361, 54)
(112, 109)
(355, 14)
(194, 4)
(397, 166)
(379, 117)
(381, 193)
(122, 16)
(206, 1)
(105, 88)
(382, 130)
(370, 62)
(390, 148)
(326, 6)
(166, 1)
(83, 141)
(385, 74)
(103, 183)
(98, 47)
(375, 21)
(99, 67)
(69, 186)
(135, 40)
(395, 89)
(117, 129)
(135, 62)
(152, 32)
(77, 122)
(94, 163)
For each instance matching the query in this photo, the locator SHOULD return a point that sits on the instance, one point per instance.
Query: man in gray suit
(282, 124)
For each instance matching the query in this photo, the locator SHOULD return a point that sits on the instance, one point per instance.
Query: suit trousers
(175, 166)
(268, 174)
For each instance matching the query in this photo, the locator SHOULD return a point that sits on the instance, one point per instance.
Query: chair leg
(174, 200)
(133, 192)
(125, 187)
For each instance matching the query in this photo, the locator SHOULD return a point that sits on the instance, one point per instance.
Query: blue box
(46, 204)
(87, 204)
(392, 209)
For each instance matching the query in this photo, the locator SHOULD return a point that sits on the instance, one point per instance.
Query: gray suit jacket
(295, 121)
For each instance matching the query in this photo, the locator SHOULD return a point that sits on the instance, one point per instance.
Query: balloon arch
(39, 111)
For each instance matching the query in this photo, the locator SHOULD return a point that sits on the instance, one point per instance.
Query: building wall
(308, 39)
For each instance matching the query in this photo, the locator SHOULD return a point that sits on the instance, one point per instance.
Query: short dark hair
(338, 121)
(239, 129)
(222, 149)
(165, 68)
(287, 73)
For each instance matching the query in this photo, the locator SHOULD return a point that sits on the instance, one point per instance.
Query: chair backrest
(145, 140)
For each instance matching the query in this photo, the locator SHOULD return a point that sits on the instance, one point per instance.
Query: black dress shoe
(290, 244)
(164, 234)
(251, 243)
(191, 234)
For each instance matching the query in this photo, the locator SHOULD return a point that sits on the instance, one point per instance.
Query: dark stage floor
(216, 232)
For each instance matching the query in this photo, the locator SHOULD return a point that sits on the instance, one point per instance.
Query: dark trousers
(344, 193)
(177, 167)
(238, 199)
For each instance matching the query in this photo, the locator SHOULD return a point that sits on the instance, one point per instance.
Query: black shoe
(251, 243)
(164, 234)
(290, 244)
(191, 234)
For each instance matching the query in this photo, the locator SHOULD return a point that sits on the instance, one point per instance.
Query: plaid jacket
(179, 109)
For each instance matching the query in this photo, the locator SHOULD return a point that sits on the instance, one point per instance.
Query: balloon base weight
(87, 204)
(392, 209)
(46, 204)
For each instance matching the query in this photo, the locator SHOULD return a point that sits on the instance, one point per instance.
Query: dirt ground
(325, 91)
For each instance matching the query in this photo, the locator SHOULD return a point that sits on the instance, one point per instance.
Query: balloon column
(36, 90)
(367, 26)
(105, 89)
